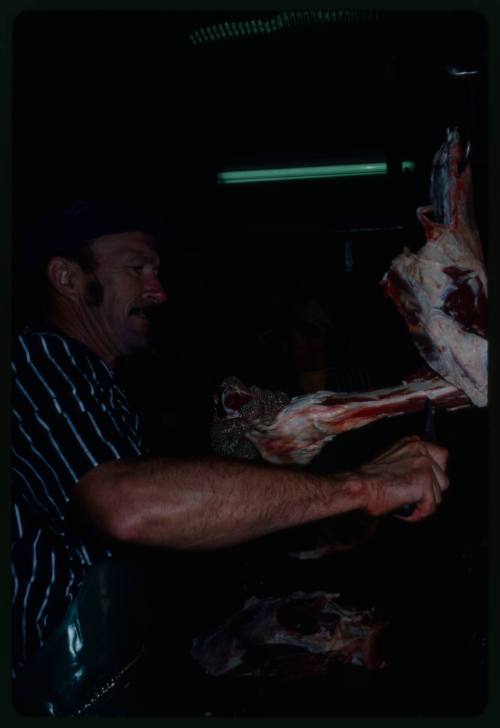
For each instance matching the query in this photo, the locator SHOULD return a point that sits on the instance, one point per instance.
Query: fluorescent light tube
(287, 174)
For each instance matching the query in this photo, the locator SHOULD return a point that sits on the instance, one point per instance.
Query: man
(82, 481)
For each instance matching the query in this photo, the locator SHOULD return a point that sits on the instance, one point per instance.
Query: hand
(412, 471)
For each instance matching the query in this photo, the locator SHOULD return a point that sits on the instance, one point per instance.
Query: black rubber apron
(87, 666)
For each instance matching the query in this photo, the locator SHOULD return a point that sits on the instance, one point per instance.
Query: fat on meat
(292, 636)
(441, 290)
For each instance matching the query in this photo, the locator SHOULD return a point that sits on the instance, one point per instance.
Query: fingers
(423, 509)
(432, 497)
(413, 470)
(395, 448)
(409, 444)
(438, 491)
(412, 445)
(438, 454)
(438, 460)
(440, 477)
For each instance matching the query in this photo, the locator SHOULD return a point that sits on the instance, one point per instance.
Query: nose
(154, 292)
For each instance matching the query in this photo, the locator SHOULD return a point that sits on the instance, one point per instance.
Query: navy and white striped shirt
(68, 416)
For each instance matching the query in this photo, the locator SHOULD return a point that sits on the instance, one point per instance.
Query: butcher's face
(120, 291)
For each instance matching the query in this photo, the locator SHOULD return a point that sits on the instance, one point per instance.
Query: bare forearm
(209, 503)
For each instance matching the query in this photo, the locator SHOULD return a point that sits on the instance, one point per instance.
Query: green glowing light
(288, 174)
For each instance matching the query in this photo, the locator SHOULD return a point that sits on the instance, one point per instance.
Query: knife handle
(429, 435)
(405, 510)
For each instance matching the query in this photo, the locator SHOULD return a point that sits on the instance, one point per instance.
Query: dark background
(147, 108)
(126, 104)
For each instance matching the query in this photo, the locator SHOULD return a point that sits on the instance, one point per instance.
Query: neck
(81, 328)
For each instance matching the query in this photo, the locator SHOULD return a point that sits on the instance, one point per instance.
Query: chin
(135, 343)
(140, 344)
(138, 337)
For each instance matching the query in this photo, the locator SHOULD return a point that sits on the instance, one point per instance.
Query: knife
(429, 435)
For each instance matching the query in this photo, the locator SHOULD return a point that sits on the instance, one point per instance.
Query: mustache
(150, 310)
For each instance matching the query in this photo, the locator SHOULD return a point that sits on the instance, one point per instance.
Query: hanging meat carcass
(441, 292)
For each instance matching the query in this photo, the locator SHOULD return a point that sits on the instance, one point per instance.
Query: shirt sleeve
(69, 417)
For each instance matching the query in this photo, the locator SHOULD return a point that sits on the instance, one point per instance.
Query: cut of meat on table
(441, 291)
(293, 636)
(301, 428)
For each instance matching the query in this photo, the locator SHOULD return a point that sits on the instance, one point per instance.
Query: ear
(65, 276)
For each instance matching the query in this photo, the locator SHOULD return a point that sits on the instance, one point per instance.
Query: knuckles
(415, 466)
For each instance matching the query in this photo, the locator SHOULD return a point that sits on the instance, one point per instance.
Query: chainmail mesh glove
(238, 409)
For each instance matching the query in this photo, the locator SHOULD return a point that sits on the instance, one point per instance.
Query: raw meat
(293, 636)
(300, 429)
(441, 290)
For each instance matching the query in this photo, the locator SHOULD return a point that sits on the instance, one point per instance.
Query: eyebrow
(138, 255)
